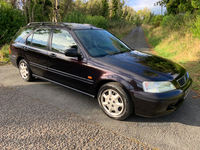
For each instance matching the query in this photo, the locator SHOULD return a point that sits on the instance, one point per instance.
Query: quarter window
(62, 40)
(19, 37)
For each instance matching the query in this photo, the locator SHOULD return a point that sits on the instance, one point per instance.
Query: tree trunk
(32, 19)
(29, 11)
(43, 10)
(57, 12)
(54, 19)
(25, 11)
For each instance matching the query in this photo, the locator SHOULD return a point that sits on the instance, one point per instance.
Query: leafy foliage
(180, 6)
(5, 51)
(10, 22)
(196, 27)
(114, 9)
(196, 3)
(173, 22)
(105, 8)
(78, 17)
(157, 20)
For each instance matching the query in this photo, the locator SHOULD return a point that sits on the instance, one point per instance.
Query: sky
(140, 4)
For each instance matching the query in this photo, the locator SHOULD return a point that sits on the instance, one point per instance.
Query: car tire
(25, 71)
(115, 101)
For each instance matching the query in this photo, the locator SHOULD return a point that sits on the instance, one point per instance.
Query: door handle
(52, 55)
(26, 49)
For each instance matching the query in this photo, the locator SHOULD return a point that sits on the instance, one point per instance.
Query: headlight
(157, 87)
(188, 75)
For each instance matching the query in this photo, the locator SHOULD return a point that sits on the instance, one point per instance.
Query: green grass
(5, 51)
(181, 48)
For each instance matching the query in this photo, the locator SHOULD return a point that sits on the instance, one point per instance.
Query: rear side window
(21, 34)
(39, 38)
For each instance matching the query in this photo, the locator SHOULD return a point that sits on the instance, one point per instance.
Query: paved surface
(179, 130)
(136, 39)
(29, 123)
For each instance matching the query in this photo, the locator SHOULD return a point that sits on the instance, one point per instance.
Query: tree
(114, 9)
(120, 8)
(180, 6)
(94, 7)
(196, 4)
(128, 13)
(10, 21)
(144, 13)
(105, 8)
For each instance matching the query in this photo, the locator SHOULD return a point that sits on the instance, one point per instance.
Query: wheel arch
(100, 84)
(18, 60)
(125, 85)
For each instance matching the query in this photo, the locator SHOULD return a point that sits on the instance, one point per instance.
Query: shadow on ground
(88, 107)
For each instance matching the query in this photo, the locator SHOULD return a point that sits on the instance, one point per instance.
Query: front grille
(183, 80)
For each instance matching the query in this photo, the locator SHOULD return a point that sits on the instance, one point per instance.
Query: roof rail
(43, 23)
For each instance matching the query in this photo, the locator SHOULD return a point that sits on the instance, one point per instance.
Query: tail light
(9, 50)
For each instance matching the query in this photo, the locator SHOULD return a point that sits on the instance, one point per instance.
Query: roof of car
(64, 24)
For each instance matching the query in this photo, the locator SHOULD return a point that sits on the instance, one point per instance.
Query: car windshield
(100, 43)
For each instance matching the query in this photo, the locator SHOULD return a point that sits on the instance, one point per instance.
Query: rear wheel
(25, 71)
(115, 101)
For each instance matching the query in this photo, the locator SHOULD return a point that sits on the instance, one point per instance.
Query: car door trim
(38, 66)
(70, 75)
(34, 75)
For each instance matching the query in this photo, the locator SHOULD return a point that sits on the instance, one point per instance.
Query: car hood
(145, 65)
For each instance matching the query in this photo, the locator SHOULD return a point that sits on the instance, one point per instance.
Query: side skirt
(34, 75)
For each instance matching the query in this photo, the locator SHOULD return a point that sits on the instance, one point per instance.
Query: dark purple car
(94, 62)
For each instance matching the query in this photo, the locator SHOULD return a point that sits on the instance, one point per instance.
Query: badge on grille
(185, 79)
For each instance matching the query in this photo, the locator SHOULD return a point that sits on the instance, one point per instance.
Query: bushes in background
(4, 50)
(119, 24)
(117, 27)
(78, 17)
(172, 22)
(196, 27)
(157, 20)
(10, 22)
(187, 22)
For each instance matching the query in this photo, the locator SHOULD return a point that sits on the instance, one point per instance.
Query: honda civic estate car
(94, 62)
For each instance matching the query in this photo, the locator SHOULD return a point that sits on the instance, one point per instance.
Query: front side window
(40, 38)
(62, 40)
(100, 43)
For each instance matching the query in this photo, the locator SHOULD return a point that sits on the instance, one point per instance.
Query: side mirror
(72, 52)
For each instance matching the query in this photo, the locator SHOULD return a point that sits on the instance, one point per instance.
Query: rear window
(20, 36)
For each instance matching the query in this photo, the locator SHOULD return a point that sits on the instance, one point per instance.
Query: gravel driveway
(29, 123)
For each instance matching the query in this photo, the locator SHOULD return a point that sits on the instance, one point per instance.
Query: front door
(69, 71)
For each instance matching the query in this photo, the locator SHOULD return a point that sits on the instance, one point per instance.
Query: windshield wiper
(120, 52)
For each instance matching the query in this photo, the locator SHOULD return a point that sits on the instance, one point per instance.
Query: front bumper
(158, 104)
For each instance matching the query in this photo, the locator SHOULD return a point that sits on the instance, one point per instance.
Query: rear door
(35, 50)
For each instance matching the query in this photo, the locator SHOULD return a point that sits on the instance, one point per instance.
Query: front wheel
(25, 71)
(115, 101)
